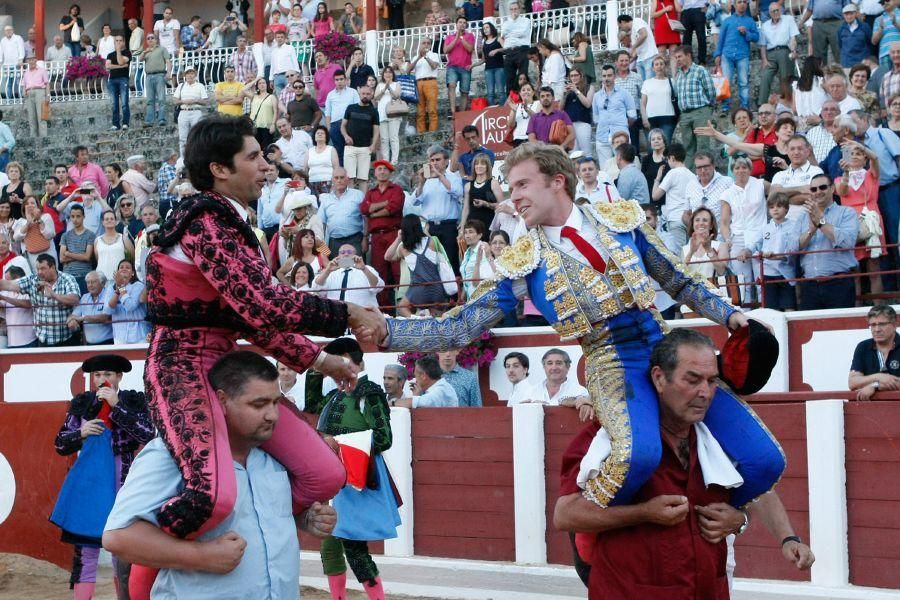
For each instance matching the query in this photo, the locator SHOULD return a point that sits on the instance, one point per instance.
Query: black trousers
(446, 232)
(694, 21)
(395, 15)
(515, 61)
(837, 293)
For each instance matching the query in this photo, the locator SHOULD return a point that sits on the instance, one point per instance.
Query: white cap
(850, 8)
(297, 200)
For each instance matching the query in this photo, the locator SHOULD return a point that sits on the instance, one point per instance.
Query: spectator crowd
(801, 183)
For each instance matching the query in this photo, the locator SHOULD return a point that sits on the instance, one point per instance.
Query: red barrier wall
(757, 554)
(39, 472)
(560, 426)
(872, 434)
(463, 483)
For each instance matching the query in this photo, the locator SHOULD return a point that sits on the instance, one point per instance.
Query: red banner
(492, 123)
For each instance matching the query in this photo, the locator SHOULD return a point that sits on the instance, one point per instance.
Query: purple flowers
(85, 67)
(337, 46)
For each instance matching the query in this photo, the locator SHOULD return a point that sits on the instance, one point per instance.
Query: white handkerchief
(714, 463)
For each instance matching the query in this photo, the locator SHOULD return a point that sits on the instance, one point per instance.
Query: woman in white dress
(111, 247)
(743, 218)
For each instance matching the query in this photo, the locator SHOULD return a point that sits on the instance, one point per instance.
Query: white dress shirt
(566, 246)
(525, 391)
(796, 178)
(772, 35)
(569, 389)
(284, 59)
(12, 50)
(516, 32)
(296, 148)
(365, 293)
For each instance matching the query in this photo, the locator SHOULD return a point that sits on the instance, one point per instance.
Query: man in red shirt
(670, 541)
(382, 208)
(764, 133)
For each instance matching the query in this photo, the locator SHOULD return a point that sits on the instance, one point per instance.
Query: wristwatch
(876, 385)
(745, 525)
(821, 223)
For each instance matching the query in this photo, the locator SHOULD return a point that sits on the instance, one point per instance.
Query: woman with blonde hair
(17, 189)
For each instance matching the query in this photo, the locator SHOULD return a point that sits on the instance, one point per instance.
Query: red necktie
(588, 251)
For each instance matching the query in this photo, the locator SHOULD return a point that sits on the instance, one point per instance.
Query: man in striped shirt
(243, 62)
(696, 93)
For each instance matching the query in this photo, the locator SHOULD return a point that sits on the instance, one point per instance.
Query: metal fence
(595, 20)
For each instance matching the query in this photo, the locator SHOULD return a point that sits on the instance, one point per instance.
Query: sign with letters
(493, 123)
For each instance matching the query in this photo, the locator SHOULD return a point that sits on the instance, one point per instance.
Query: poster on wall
(492, 124)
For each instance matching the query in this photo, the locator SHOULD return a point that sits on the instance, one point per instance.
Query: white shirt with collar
(772, 35)
(566, 246)
(795, 178)
(516, 32)
(525, 391)
(296, 148)
(364, 294)
(284, 59)
(604, 191)
(570, 388)
(12, 50)
(709, 195)
(424, 70)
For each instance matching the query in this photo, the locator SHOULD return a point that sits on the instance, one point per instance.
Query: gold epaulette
(620, 216)
(521, 258)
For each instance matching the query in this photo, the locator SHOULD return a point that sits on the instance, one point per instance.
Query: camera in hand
(345, 262)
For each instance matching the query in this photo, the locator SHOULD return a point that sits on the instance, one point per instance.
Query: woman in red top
(858, 189)
(665, 12)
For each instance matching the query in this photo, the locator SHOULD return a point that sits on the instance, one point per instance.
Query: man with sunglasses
(289, 92)
(827, 226)
(876, 361)
(157, 66)
(303, 111)
(763, 133)
(707, 187)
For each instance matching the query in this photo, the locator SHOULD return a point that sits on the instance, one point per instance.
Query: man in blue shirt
(827, 226)
(733, 51)
(613, 111)
(462, 163)
(474, 11)
(440, 197)
(336, 103)
(254, 552)
(431, 389)
(463, 381)
(90, 315)
(854, 37)
(341, 215)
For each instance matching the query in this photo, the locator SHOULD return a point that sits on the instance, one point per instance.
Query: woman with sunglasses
(127, 219)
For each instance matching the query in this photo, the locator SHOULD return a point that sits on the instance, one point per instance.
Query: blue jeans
(280, 82)
(75, 47)
(4, 160)
(337, 139)
(461, 76)
(139, 78)
(495, 80)
(645, 68)
(118, 90)
(742, 66)
(156, 99)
